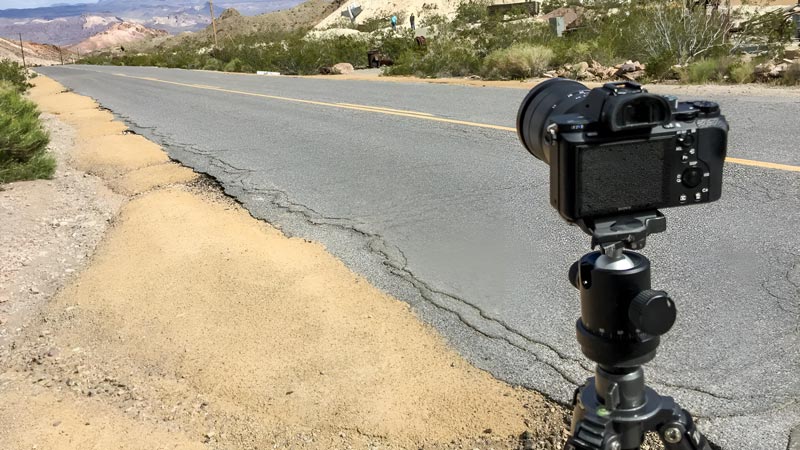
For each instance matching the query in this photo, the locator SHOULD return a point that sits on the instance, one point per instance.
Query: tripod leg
(680, 433)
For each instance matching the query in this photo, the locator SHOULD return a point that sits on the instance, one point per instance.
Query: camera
(618, 149)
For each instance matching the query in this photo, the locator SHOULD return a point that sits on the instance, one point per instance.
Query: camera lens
(547, 98)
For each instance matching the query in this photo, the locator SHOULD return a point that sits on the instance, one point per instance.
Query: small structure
(557, 25)
(352, 11)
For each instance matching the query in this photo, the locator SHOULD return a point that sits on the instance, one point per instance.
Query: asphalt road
(436, 202)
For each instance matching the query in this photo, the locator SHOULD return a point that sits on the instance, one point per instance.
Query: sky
(8, 4)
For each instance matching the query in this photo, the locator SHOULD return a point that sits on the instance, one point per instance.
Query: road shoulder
(195, 325)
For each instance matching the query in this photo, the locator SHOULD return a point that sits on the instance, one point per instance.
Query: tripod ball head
(621, 317)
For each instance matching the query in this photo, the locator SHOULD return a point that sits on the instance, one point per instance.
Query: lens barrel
(545, 99)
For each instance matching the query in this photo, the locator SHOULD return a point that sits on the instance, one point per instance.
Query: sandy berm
(194, 325)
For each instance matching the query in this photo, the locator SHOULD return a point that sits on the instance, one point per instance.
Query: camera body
(618, 149)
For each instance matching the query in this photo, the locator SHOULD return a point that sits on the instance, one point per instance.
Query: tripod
(619, 328)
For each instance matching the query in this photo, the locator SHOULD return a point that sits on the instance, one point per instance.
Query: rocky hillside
(304, 15)
(35, 54)
(118, 34)
(383, 9)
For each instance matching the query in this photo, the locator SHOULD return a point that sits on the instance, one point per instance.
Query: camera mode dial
(652, 312)
(708, 109)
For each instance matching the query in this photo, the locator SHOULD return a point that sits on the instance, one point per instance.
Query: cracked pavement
(455, 220)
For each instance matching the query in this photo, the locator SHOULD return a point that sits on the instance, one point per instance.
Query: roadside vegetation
(23, 139)
(668, 40)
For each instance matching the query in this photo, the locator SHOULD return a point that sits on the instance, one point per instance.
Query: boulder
(770, 70)
(633, 76)
(342, 68)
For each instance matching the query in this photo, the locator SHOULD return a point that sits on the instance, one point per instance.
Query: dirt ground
(141, 308)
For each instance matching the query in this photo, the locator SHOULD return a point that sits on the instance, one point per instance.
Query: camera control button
(698, 196)
(692, 177)
(652, 312)
(683, 198)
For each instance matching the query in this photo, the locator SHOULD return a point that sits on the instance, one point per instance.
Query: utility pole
(213, 23)
(22, 50)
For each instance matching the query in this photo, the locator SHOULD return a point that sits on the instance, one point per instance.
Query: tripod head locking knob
(653, 312)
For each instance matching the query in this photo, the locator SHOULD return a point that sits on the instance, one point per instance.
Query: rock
(581, 67)
(764, 68)
(550, 74)
(778, 70)
(633, 76)
(342, 68)
(627, 67)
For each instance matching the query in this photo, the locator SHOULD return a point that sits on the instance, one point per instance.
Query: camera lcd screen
(623, 176)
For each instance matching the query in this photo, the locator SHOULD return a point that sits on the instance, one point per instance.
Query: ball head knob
(652, 312)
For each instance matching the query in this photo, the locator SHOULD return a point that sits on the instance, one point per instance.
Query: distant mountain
(118, 34)
(58, 31)
(70, 24)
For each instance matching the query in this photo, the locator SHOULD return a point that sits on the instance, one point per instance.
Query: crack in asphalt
(396, 263)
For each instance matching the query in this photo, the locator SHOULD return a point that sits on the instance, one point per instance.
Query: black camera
(618, 149)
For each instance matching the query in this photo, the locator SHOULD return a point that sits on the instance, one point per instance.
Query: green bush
(15, 74)
(23, 140)
(742, 72)
(704, 71)
(719, 70)
(518, 61)
(443, 58)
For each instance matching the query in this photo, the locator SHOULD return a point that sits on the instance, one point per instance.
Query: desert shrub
(15, 74)
(668, 29)
(703, 71)
(518, 61)
(442, 58)
(212, 64)
(742, 72)
(23, 140)
(472, 11)
(234, 65)
(718, 70)
(374, 24)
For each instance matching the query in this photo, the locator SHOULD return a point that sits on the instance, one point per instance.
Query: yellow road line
(381, 109)
(768, 165)
(416, 115)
